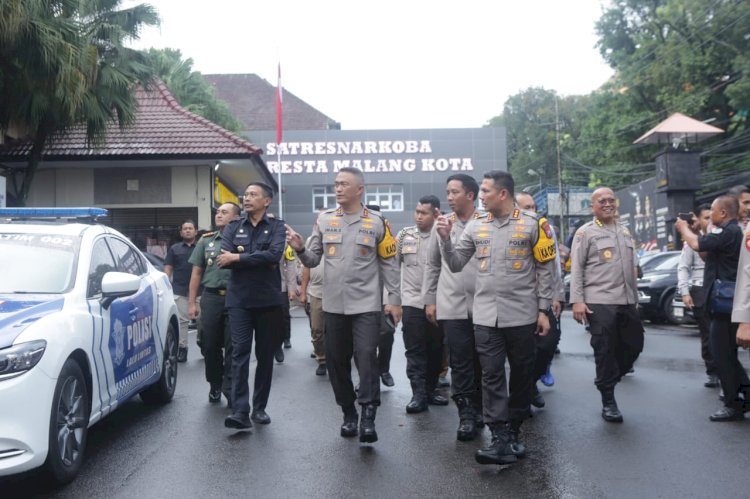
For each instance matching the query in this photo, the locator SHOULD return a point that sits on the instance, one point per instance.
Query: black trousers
(286, 327)
(704, 325)
(617, 340)
(265, 323)
(216, 338)
(466, 372)
(494, 344)
(546, 346)
(385, 350)
(353, 335)
(732, 375)
(424, 350)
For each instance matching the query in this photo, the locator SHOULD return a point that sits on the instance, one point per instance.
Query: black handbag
(722, 297)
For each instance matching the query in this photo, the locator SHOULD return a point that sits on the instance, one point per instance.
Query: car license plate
(678, 311)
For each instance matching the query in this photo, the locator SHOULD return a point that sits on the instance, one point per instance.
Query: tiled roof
(252, 100)
(162, 129)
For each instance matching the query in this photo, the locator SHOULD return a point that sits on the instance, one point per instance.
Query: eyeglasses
(606, 201)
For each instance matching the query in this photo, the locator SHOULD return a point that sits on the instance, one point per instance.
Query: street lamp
(535, 173)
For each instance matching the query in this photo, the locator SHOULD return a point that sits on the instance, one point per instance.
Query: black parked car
(656, 290)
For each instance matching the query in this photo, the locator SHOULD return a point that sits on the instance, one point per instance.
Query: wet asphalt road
(666, 447)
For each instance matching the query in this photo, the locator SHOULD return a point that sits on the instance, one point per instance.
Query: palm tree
(63, 63)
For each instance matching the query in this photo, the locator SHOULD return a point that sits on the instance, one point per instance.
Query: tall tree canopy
(688, 56)
(64, 63)
(190, 89)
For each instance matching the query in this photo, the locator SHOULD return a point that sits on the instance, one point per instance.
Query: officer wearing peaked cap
(514, 289)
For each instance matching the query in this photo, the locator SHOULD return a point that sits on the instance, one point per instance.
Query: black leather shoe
(367, 433)
(537, 400)
(499, 450)
(182, 354)
(417, 404)
(387, 379)
(238, 421)
(467, 424)
(712, 381)
(214, 395)
(611, 413)
(287, 344)
(321, 370)
(349, 427)
(727, 414)
(261, 417)
(516, 446)
(436, 399)
(279, 355)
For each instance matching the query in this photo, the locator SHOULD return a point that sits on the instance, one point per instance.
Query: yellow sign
(222, 193)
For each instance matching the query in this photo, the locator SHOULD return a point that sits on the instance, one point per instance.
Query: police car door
(132, 348)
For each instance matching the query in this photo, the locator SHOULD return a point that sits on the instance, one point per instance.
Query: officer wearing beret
(359, 260)
(515, 256)
(603, 293)
(213, 319)
(252, 248)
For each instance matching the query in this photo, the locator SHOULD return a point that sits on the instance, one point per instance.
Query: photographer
(722, 247)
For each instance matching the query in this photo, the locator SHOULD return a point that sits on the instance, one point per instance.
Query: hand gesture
(294, 239)
(444, 226)
(579, 313)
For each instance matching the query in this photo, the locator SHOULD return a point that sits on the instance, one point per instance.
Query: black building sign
(400, 166)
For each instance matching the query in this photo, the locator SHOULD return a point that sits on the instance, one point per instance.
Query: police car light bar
(20, 213)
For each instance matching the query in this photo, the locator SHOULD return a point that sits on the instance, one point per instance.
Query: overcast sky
(393, 64)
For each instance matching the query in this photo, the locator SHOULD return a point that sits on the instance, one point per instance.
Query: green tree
(64, 64)
(190, 89)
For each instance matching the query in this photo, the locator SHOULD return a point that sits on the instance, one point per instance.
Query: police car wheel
(669, 310)
(162, 391)
(68, 427)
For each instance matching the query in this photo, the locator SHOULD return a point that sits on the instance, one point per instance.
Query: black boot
(499, 451)
(367, 433)
(349, 426)
(418, 402)
(514, 432)
(610, 412)
(467, 425)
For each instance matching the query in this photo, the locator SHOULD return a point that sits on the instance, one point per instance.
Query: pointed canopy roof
(678, 128)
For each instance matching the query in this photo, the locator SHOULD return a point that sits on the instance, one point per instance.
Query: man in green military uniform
(213, 326)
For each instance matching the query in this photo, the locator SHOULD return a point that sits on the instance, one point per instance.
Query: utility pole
(563, 197)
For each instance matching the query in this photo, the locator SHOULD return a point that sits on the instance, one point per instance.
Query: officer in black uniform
(251, 248)
(213, 323)
(722, 246)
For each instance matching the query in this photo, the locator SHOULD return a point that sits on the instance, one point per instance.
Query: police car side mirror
(118, 284)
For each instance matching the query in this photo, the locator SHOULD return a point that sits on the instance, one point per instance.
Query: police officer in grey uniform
(603, 293)
(515, 254)
(359, 250)
(423, 340)
(448, 299)
(213, 319)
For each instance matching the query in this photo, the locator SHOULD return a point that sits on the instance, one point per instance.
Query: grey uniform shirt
(689, 270)
(603, 265)
(315, 286)
(451, 293)
(741, 309)
(412, 251)
(353, 267)
(512, 283)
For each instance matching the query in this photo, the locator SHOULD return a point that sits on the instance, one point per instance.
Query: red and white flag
(279, 126)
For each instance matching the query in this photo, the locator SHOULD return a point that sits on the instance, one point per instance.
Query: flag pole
(279, 129)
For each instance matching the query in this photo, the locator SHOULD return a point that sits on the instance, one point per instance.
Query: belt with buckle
(216, 291)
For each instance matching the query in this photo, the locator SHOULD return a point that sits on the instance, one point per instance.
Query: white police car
(85, 324)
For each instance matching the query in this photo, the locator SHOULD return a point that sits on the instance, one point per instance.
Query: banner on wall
(223, 194)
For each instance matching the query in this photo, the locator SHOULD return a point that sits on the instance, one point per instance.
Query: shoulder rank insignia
(516, 213)
(208, 234)
(598, 222)
(453, 217)
(476, 215)
(339, 212)
(490, 217)
(365, 213)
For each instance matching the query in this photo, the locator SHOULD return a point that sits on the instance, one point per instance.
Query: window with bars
(323, 198)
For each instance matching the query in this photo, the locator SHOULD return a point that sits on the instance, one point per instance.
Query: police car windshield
(37, 263)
